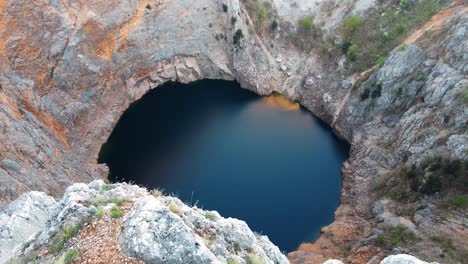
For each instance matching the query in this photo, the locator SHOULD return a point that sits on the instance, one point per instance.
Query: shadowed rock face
(70, 69)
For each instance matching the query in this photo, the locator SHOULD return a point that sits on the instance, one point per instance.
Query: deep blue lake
(230, 150)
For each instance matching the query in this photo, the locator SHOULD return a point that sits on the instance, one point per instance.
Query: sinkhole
(220, 147)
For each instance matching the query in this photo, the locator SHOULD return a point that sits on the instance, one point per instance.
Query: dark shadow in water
(226, 148)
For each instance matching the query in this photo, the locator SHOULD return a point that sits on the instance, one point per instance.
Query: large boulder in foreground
(140, 226)
(23, 219)
(165, 230)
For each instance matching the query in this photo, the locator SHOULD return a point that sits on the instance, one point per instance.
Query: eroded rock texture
(157, 228)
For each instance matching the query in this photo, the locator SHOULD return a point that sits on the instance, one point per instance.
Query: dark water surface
(226, 148)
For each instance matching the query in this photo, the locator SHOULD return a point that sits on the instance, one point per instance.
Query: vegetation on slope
(367, 40)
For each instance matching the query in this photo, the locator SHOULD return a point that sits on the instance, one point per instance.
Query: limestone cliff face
(70, 69)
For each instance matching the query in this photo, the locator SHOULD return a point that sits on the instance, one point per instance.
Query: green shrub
(400, 29)
(225, 8)
(262, 15)
(116, 213)
(421, 77)
(306, 22)
(380, 240)
(399, 235)
(210, 216)
(428, 160)
(237, 37)
(233, 20)
(67, 233)
(460, 201)
(445, 243)
(380, 60)
(71, 255)
(464, 96)
(352, 24)
(352, 51)
(100, 212)
(405, 3)
(118, 202)
(403, 47)
(106, 187)
(379, 33)
(274, 25)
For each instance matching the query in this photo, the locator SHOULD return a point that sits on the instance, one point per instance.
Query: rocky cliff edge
(123, 223)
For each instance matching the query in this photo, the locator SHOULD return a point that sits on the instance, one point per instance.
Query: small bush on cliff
(352, 51)
(71, 255)
(274, 25)
(210, 216)
(254, 259)
(384, 28)
(237, 37)
(106, 187)
(380, 240)
(59, 240)
(225, 8)
(262, 15)
(118, 202)
(380, 60)
(100, 212)
(464, 96)
(460, 201)
(352, 24)
(396, 235)
(116, 213)
(445, 243)
(306, 22)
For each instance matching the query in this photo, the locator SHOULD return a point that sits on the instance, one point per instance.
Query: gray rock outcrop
(22, 220)
(403, 259)
(157, 229)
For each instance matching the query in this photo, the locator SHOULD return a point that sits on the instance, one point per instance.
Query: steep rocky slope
(86, 226)
(70, 69)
